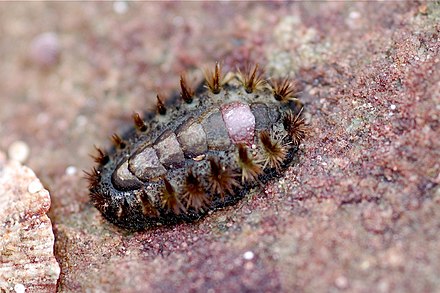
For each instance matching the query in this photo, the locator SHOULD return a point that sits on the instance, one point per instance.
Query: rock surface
(360, 209)
(27, 261)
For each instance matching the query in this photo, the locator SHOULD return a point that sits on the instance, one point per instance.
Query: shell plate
(197, 154)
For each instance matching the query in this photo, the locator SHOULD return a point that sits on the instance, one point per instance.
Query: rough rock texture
(27, 262)
(359, 211)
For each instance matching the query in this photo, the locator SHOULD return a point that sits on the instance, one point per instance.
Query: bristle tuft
(139, 122)
(221, 180)
(118, 142)
(160, 106)
(147, 208)
(252, 79)
(92, 177)
(284, 90)
(187, 93)
(274, 151)
(250, 169)
(296, 127)
(101, 158)
(123, 209)
(214, 79)
(194, 193)
(97, 199)
(170, 199)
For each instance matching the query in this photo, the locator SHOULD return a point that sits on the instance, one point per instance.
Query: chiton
(202, 151)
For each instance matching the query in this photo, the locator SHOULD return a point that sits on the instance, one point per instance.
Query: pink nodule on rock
(45, 49)
(240, 122)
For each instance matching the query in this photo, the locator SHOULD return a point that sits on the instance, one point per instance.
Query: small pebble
(19, 288)
(247, 211)
(18, 151)
(71, 170)
(341, 282)
(45, 49)
(354, 15)
(35, 186)
(120, 7)
(248, 255)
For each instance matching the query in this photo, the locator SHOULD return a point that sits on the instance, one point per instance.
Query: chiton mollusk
(201, 151)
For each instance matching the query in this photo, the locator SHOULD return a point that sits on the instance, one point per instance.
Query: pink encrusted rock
(27, 262)
(240, 122)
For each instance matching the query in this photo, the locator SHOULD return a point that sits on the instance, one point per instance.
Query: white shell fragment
(27, 262)
(18, 151)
